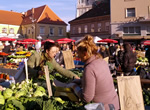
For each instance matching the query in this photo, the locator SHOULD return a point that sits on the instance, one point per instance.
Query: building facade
(44, 22)
(10, 27)
(36, 21)
(130, 20)
(95, 22)
(83, 6)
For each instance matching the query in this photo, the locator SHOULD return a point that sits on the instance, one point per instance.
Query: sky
(65, 9)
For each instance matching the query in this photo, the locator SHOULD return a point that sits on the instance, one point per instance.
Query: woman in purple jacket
(97, 83)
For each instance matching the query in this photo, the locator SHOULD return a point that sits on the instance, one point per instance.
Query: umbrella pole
(26, 69)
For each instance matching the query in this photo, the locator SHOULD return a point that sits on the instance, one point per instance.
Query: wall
(7, 26)
(119, 19)
(88, 21)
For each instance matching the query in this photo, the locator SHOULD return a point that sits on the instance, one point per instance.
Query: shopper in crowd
(6, 48)
(19, 47)
(112, 49)
(31, 47)
(147, 54)
(120, 55)
(97, 82)
(59, 56)
(48, 59)
(129, 59)
(72, 46)
(103, 52)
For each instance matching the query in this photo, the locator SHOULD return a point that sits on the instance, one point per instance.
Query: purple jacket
(98, 84)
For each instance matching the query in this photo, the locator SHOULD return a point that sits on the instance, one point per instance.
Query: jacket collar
(92, 58)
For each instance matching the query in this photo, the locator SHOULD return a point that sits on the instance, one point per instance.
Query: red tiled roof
(28, 15)
(43, 15)
(10, 17)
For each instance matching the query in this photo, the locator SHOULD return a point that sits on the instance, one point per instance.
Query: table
(17, 74)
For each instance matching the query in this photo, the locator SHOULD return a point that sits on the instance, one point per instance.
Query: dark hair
(127, 46)
(57, 45)
(48, 45)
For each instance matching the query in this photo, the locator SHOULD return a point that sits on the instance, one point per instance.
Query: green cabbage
(2, 100)
(7, 93)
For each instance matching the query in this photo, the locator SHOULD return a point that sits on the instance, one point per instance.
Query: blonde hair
(88, 45)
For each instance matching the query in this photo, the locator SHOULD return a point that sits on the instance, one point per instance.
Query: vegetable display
(32, 95)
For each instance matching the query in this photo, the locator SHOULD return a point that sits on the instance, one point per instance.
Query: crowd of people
(96, 85)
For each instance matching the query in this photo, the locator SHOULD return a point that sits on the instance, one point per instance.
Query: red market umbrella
(30, 40)
(6, 39)
(21, 42)
(48, 40)
(63, 42)
(147, 42)
(66, 40)
(108, 41)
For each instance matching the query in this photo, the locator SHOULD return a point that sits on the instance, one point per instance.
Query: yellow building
(44, 22)
(10, 24)
(37, 21)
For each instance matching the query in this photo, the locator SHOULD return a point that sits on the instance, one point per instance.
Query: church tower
(83, 6)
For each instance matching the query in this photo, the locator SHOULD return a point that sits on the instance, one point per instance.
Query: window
(42, 30)
(28, 31)
(148, 30)
(99, 27)
(132, 30)
(4, 30)
(107, 26)
(60, 31)
(11, 31)
(130, 12)
(92, 27)
(79, 30)
(73, 30)
(87, 1)
(85, 29)
(51, 31)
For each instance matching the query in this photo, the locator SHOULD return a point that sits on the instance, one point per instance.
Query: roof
(10, 17)
(43, 15)
(101, 9)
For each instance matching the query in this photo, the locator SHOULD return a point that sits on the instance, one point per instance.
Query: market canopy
(96, 39)
(108, 41)
(6, 39)
(65, 40)
(48, 40)
(22, 42)
(147, 42)
(29, 40)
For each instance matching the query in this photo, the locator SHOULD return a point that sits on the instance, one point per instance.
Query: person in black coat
(129, 59)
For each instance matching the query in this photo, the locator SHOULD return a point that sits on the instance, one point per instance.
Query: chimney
(33, 12)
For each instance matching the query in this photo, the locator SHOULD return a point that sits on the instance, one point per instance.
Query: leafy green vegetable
(7, 93)
(2, 100)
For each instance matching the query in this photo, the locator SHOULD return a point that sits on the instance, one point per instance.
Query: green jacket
(33, 64)
(53, 65)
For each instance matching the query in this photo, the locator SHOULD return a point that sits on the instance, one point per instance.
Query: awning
(135, 37)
